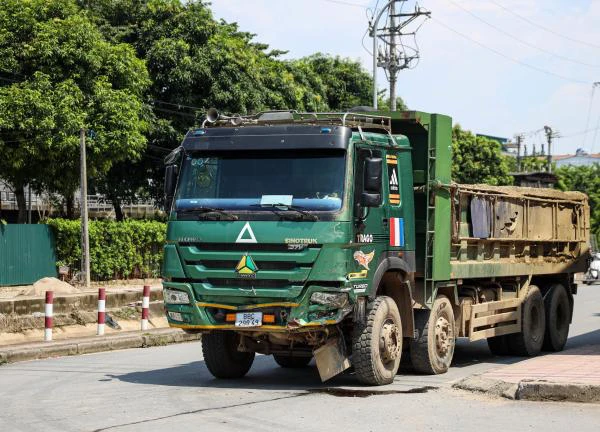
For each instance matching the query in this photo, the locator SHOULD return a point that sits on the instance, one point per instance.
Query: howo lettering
(342, 237)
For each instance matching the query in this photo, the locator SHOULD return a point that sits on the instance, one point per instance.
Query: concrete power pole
(85, 237)
(396, 54)
(549, 136)
(519, 143)
(393, 72)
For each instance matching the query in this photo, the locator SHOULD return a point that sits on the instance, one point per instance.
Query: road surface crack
(295, 395)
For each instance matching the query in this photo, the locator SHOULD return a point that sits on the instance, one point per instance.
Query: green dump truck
(341, 236)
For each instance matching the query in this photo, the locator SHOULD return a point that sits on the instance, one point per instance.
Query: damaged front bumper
(317, 307)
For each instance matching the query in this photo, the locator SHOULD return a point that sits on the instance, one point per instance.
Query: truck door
(371, 233)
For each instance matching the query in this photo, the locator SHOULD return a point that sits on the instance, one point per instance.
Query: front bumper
(291, 316)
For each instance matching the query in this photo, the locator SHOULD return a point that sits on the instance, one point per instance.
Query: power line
(178, 105)
(524, 42)
(589, 114)
(507, 57)
(546, 29)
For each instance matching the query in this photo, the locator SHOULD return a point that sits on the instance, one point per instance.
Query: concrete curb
(531, 390)
(154, 337)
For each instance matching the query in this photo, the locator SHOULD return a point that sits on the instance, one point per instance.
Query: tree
(477, 159)
(61, 74)
(584, 179)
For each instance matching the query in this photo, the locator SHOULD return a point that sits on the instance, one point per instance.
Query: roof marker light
(325, 130)
(199, 132)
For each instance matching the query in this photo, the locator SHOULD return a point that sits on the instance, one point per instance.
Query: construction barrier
(101, 310)
(145, 307)
(48, 316)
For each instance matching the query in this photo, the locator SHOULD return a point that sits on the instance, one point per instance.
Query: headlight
(337, 300)
(175, 297)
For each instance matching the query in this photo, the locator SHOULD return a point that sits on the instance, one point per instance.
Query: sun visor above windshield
(268, 138)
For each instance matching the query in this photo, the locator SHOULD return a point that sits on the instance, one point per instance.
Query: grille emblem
(246, 268)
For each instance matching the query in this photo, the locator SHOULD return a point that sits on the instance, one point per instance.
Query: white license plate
(248, 319)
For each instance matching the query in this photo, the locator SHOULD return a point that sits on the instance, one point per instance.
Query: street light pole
(85, 237)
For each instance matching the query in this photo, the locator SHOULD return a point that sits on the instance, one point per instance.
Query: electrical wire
(589, 113)
(524, 42)
(546, 29)
(507, 57)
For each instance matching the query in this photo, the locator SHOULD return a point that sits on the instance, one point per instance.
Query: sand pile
(50, 284)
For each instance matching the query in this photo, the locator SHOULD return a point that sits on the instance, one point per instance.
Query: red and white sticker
(396, 231)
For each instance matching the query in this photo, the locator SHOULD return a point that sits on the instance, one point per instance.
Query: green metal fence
(26, 254)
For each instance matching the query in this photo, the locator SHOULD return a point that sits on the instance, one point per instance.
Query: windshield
(249, 180)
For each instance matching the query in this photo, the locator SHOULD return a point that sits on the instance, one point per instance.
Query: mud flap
(331, 359)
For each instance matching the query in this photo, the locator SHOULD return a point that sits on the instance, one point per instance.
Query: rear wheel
(432, 351)
(286, 361)
(558, 317)
(377, 343)
(529, 342)
(222, 357)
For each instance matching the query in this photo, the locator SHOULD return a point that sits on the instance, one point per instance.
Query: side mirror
(171, 173)
(371, 193)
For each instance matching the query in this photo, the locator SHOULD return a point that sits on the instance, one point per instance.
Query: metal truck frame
(364, 252)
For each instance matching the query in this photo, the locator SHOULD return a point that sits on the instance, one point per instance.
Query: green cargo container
(27, 254)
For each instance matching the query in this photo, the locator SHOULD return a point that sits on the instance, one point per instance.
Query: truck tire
(291, 362)
(432, 351)
(558, 316)
(221, 356)
(498, 345)
(377, 343)
(529, 342)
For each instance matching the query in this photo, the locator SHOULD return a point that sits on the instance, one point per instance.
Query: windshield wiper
(300, 211)
(209, 212)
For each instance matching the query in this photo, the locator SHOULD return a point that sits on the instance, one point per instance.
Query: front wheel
(222, 357)
(432, 351)
(377, 343)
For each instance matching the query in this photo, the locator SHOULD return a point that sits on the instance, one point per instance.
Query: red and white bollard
(145, 307)
(101, 310)
(48, 309)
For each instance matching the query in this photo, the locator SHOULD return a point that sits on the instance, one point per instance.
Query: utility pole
(393, 59)
(549, 136)
(519, 142)
(85, 237)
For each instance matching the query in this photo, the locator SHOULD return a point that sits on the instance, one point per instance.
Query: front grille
(278, 267)
(248, 283)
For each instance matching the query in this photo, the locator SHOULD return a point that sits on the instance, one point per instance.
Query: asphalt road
(169, 388)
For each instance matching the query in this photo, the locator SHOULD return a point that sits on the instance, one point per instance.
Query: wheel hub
(443, 336)
(390, 343)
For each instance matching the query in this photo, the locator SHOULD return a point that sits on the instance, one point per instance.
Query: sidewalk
(92, 344)
(571, 375)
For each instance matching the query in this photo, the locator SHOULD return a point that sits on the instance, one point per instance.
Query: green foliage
(478, 159)
(584, 179)
(118, 250)
(59, 74)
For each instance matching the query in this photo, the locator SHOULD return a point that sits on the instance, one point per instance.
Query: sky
(493, 72)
